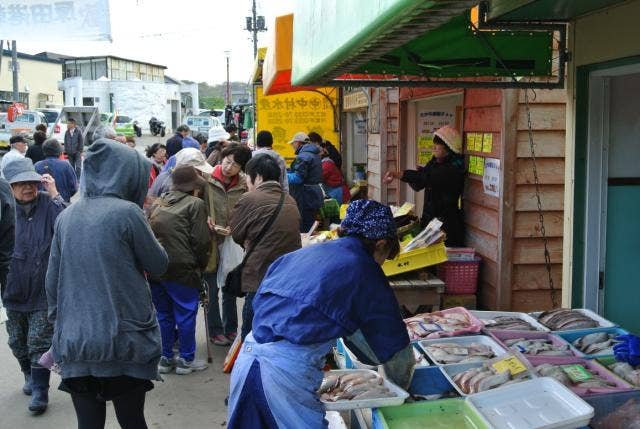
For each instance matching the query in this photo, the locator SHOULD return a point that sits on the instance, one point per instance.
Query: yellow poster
(487, 143)
(478, 140)
(425, 149)
(286, 114)
(480, 166)
(471, 141)
(472, 165)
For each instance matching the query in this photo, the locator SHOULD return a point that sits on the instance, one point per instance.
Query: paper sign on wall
(491, 177)
(487, 142)
(425, 149)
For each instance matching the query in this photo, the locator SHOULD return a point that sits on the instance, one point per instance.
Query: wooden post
(508, 154)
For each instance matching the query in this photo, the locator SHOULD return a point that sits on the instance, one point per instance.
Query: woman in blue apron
(307, 300)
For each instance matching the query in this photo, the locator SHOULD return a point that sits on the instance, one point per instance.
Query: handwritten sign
(491, 177)
(487, 142)
(511, 364)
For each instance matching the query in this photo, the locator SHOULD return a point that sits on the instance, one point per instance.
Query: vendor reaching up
(443, 181)
(297, 319)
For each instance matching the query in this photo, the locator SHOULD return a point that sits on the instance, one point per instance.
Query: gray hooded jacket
(99, 300)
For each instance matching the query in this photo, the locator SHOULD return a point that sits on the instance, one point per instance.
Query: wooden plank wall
(530, 285)
(390, 136)
(483, 114)
(375, 150)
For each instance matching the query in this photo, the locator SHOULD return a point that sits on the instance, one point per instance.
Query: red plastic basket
(460, 277)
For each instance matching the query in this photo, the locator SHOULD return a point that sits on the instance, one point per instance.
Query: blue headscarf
(369, 219)
(189, 141)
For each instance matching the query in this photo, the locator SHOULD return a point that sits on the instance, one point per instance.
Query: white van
(26, 123)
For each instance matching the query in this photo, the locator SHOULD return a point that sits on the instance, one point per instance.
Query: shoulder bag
(233, 282)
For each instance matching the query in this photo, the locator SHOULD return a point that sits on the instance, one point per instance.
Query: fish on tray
(446, 353)
(563, 319)
(477, 380)
(600, 343)
(423, 325)
(627, 372)
(353, 386)
(508, 323)
(556, 371)
(538, 346)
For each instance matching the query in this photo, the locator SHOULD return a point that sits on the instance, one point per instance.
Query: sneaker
(231, 337)
(166, 365)
(183, 367)
(220, 340)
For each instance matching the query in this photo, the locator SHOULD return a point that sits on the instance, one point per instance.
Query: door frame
(591, 174)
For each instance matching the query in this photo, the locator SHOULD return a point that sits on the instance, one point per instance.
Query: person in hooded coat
(304, 178)
(106, 338)
(443, 181)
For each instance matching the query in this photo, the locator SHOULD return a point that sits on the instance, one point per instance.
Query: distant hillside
(212, 97)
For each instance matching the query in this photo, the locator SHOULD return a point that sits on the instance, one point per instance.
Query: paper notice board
(491, 177)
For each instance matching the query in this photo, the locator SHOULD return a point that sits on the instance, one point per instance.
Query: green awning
(544, 10)
(333, 37)
(398, 40)
(455, 50)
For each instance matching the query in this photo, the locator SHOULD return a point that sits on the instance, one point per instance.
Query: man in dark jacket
(179, 222)
(24, 295)
(249, 216)
(35, 150)
(174, 144)
(106, 337)
(61, 170)
(7, 229)
(74, 145)
(305, 178)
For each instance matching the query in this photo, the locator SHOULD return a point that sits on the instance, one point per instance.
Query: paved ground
(189, 401)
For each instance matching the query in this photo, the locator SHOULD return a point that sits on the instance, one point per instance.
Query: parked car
(5, 135)
(123, 124)
(26, 122)
(201, 124)
(51, 115)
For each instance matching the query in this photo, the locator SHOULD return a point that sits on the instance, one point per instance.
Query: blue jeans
(176, 304)
(228, 323)
(247, 314)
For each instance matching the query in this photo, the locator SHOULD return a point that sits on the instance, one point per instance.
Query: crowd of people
(158, 230)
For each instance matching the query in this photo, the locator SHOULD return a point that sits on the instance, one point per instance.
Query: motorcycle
(156, 127)
(136, 129)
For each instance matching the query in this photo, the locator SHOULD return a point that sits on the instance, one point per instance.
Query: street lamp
(227, 55)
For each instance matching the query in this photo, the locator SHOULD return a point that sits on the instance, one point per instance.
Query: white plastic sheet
(60, 20)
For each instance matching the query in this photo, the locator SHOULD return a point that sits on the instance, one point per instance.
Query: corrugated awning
(400, 43)
(544, 10)
(256, 76)
(276, 70)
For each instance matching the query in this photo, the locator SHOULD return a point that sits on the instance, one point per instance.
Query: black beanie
(264, 139)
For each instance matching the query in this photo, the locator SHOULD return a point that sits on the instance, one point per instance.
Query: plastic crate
(416, 259)
(444, 413)
(460, 277)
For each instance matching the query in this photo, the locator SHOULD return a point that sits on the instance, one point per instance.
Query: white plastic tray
(541, 403)
(488, 315)
(604, 323)
(465, 341)
(399, 399)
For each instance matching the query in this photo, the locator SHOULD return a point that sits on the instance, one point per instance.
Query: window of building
(100, 68)
(90, 101)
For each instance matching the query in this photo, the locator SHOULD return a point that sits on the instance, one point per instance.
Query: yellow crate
(416, 259)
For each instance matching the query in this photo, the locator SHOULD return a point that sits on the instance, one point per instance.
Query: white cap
(300, 137)
(217, 134)
(195, 158)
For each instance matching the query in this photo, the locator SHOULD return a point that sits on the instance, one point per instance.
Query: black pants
(91, 412)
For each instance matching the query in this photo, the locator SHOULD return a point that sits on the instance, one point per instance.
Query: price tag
(511, 364)
(577, 373)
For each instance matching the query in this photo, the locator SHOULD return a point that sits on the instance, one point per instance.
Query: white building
(137, 89)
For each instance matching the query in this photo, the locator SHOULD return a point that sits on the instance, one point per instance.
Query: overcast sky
(187, 36)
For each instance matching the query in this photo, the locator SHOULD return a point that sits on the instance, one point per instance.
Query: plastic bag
(230, 256)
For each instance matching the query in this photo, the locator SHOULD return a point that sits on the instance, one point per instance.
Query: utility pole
(255, 24)
(227, 100)
(14, 69)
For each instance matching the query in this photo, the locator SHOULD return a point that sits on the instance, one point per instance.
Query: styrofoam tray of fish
(370, 389)
(549, 344)
(461, 350)
(629, 373)
(571, 324)
(593, 343)
(541, 403)
(451, 322)
(604, 381)
(486, 317)
(497, 380)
